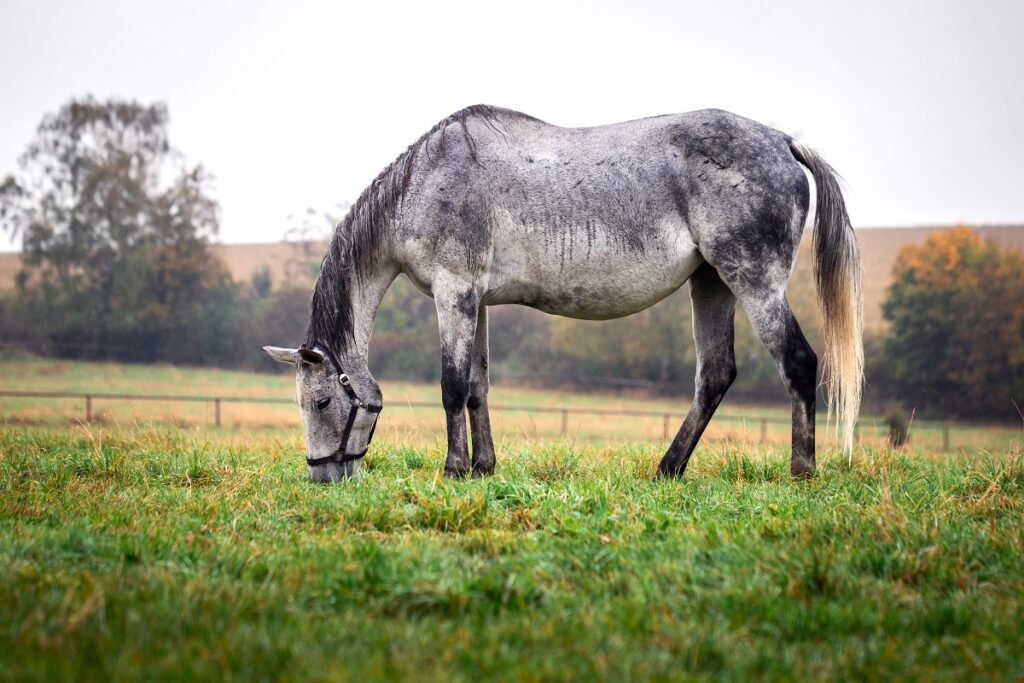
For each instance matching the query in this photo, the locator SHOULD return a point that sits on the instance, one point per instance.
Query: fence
(668, 419)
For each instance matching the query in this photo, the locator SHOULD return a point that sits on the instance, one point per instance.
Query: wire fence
(668, 418)
(562, 420)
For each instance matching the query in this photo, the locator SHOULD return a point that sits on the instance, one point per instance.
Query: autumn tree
(114, 230)
(956, 341)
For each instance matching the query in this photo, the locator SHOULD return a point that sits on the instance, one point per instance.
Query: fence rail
(565, 412)
(668, 418)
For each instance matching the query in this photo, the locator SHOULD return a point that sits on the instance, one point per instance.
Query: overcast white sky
(919, 105)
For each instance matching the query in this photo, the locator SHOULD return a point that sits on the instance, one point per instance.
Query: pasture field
(160, 553)
(734, 421)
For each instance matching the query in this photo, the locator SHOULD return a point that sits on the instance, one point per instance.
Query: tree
(114, 231)
(956, 342)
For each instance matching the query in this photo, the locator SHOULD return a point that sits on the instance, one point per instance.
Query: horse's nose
(332, 472)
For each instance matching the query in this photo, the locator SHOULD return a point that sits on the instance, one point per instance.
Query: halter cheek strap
(340, 455)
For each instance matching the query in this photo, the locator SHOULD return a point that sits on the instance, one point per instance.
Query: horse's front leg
(479, 418)
(457, 308)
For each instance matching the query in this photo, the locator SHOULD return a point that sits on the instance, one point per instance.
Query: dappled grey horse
(492, 206)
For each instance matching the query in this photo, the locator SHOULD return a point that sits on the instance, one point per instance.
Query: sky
(298, 105)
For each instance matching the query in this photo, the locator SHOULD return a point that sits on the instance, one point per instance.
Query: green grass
(161, 554)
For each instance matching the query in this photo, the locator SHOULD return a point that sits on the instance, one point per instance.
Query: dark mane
(355, 249)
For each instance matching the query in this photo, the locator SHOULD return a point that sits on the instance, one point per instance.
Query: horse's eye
(323, 403)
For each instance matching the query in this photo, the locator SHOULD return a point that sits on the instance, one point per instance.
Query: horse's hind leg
(778, 330)
(479, 418)
(713, 311)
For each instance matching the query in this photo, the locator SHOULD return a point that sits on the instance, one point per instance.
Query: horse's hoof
(668, 469)
(483, 468)
(801, 470)
(455, 473)
(479, 472)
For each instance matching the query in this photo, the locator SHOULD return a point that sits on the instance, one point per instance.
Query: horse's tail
(837, 274)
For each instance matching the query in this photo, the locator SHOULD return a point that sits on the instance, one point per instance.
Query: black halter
(340, 456)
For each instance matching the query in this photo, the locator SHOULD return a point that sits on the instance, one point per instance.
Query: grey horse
(493, 206)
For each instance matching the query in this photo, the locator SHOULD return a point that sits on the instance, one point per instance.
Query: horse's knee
(454, 397)
(477, 394)
(454, 388)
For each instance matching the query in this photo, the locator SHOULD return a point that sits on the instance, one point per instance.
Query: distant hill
(289, 261)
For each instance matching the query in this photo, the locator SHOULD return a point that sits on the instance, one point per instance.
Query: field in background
(400, 420)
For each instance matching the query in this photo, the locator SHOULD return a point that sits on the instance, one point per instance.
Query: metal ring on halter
(340, 456)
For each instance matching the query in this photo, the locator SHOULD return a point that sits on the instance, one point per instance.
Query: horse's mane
(355, 249)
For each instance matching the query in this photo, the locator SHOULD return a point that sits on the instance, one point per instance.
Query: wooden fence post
(88, 408)
(664, 427)
(764, 429)
(216, 411)
(565, 421)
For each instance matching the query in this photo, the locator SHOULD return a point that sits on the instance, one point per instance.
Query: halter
(340, 456)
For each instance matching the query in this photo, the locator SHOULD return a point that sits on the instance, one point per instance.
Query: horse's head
(339, 409)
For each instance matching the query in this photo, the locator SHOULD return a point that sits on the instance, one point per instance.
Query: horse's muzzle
(332, 472)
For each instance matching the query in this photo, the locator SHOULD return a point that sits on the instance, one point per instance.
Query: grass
(158, 553)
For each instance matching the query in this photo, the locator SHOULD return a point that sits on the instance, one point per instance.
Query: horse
(493, 206)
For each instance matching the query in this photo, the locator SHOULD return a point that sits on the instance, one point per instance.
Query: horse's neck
(366, 298)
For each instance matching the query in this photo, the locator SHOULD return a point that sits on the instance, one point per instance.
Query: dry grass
(400, 419)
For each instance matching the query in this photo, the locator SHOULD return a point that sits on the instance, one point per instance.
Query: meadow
(152, 550)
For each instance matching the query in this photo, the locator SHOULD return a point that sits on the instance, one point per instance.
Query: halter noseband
(340, 456)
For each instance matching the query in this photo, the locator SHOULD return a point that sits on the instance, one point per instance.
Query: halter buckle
(340, 456)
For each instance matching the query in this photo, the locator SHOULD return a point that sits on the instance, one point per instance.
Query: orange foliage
(957, 311)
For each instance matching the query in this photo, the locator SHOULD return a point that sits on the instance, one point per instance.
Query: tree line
(115, 229)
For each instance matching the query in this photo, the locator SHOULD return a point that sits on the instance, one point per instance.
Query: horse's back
(589, 222)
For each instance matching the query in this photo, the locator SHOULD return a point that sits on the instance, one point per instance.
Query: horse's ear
(282, 355)
(311, 355)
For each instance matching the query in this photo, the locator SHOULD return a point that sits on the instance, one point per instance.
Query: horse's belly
(581, 275)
